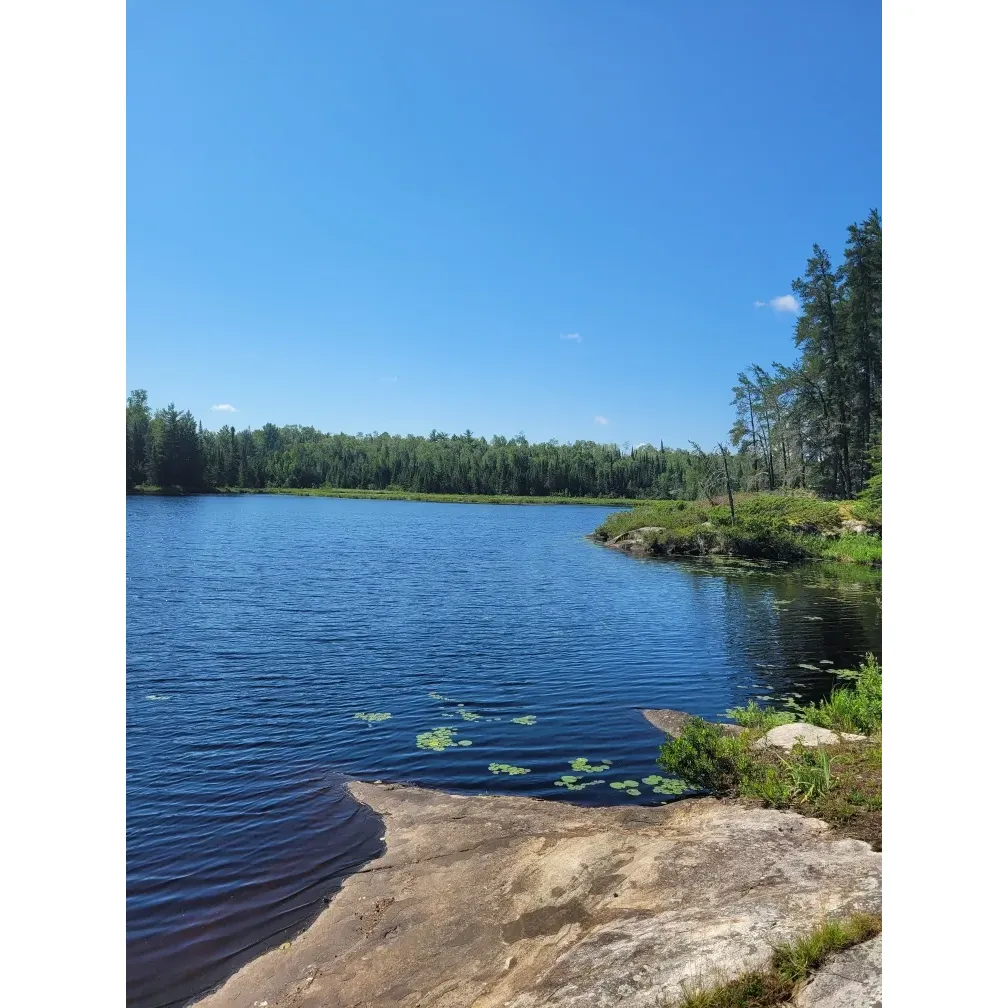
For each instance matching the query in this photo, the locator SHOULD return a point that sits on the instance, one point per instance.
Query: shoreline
(399, 495)
(506, 900)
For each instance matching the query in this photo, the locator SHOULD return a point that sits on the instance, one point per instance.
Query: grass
(858, 710)
(790, 966)
(406, 495)
(779, 526)
(841, 784)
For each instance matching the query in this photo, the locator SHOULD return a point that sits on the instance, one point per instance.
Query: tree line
(169, 448)
(818, 423)
(815, 424)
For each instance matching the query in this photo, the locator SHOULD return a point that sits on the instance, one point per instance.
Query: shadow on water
(278, 874)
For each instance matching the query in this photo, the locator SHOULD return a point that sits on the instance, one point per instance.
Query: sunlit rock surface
(486, 901)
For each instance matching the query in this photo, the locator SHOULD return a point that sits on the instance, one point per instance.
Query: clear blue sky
(386, 216)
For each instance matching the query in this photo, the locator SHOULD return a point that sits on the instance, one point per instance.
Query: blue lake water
(257, 626)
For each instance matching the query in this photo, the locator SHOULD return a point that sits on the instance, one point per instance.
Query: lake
(258, 626)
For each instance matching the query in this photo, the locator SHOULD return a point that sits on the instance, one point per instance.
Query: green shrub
(858, 710)
(706, 756)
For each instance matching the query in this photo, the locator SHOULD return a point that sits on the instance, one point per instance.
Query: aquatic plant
(440, 739)
(574, 783)
(665, 785)
(468, 715)
(527, 719)
(631, 787)
(439, 696)
(811, 668)
(582, 765)
(507, 768)
(372, 718)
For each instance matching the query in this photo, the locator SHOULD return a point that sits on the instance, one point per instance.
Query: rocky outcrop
(851, 979)
(491, 901)
(636, 540)
(786, 735)
(671, 722)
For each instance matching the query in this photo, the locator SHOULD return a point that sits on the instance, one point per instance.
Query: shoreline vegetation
(838, 779)
(401, 495)
(785, 527)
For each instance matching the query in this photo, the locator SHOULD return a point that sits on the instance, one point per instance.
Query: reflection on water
(259, 626)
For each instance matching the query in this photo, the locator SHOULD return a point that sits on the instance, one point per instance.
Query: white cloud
(572, 336)
(786, 302)
(759, 304)
(602, 420)
(224, 407)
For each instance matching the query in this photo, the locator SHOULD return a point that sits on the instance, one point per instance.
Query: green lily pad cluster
(574, 783)
(526, 719)
(507, 768)
(372, 718)
(440, 739)
(665, 785)
(582, 765)
(631, 787)
(438, 696)
(468, 715)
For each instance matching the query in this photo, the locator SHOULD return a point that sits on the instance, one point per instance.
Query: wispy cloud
(390, 380)
(602, 420)
(759, 304)
(786, 302)
(224, 407)
(572, 336)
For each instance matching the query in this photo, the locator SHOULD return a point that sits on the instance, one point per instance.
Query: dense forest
(815, 424)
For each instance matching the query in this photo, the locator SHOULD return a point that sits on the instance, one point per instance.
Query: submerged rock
(496, 901)
(671, 722)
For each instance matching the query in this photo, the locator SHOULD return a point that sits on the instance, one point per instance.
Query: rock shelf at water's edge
(491, 901)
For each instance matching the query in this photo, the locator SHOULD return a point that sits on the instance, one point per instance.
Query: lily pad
(468, 715)
(440, 739)
(526, 719)
(372, 718)
(665, 785)
(582, 765)
(573, 783)
(625, 785)
(507, 768)
(811, 668)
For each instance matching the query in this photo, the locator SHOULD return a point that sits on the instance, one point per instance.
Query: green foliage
(706, 756)
(858, 710)
(527, 719)
(574, 782)
(665, 785)
(507, 768)
(583, 766)
(759, 720)
(791, 964)
(372, 718)
(439, 739)
(631, 787)
(782, 526)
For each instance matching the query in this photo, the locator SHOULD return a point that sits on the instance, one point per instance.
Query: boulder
(786, 735)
